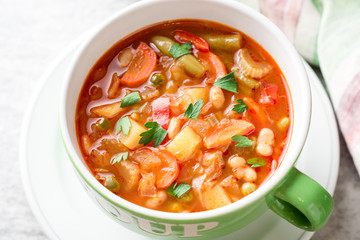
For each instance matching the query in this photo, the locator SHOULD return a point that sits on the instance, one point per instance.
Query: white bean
(249, 174)
(159, 198)
(174, 127)
(283, 124)
(266, 135)
(264, 149)
(236, 162)
(239, 172)
(217, 97)
(125, 57)
(86, 143)
(248, 188)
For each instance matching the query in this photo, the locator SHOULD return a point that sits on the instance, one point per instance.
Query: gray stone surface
(33, 34)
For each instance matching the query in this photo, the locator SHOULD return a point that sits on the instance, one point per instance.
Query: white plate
(63, 208)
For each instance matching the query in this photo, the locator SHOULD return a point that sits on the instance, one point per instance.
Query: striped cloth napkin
(327, 34)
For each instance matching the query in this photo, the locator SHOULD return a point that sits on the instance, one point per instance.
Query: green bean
(157, 79)
(249, 82)
(246, 85)
(112, 184)
(163, 44)
(224, 42)
(192, 65)
(245, 90)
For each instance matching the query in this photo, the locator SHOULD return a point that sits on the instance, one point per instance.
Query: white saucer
(64, 209)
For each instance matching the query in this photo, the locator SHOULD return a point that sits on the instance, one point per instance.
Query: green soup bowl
(288, 192)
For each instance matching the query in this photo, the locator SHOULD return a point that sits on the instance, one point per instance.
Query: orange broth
(101, 144)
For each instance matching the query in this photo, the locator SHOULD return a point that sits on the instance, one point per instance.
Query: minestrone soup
(184, 116)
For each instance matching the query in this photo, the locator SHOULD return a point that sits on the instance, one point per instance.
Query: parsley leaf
(193, 111)
(178, 190)
(130, 99)
(242, 141)
(124, 124)
(178, 50)
(119, 157)
(227, 82)
(241, 107)
(256, 162)
(155, 133)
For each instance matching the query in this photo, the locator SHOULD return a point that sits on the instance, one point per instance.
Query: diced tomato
(161, 111)
(164, 165)
(198, 42)
(215, 67)
(269, 95)
(141, 67)
(256, 109)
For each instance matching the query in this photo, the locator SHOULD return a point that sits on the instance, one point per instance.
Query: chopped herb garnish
(130, 99)
(256, 162)
(241, 107)
(193, 110)
(124, 124)
(178, 190)
(119, 157)
(178, 50)
(155, 133)
(242, 141)
(227, 82)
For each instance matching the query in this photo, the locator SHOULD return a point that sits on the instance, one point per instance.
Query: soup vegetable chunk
(183, 116)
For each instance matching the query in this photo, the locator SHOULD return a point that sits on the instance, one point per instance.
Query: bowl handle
(301, 201)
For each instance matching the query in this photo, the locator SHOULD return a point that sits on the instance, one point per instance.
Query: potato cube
(184, 144)
(200, 126)
(190, 95)
(130, 173)
(132, 141)
(108, 110)
(215, 197)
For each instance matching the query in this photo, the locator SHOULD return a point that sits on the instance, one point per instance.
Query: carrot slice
(169, 171)
(221, 133)
(215, 67)
(199, 43)
(164, 165)
(141, 67)
(146, 158)
(256, 109)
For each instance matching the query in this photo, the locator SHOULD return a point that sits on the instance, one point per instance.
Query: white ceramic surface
(64, 209)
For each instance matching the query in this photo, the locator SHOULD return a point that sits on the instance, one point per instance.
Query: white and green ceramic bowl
(289, 193)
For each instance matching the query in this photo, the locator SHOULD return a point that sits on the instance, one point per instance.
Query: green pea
(103, 124)
(157, 79)
(112, 184)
